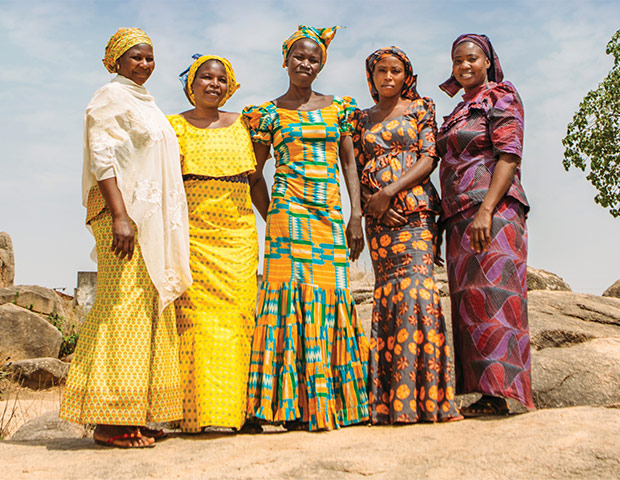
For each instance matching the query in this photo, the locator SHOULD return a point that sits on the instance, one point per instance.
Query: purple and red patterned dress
(488, 290)
(409, 369)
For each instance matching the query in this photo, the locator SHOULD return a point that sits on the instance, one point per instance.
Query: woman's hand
(480, 230)
(391, 218)
(378, 204)
(355, 237)
(123, 237)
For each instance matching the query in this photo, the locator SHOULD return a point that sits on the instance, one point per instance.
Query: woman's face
(137, 63)
(469, 66)
(304, 62)
(389, 76)
(210, 84)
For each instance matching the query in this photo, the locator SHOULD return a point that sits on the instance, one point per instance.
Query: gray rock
(584, 374)
(38, 373)
(34, 298)
(7, 261)
(441, 279)
(48, 427)
(543, 280)
(24, 334)
(613, 291)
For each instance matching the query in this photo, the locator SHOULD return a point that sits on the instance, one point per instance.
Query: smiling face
(210, 84)
(470, 65)
(137, 63)
(304, 62)
(389, 76)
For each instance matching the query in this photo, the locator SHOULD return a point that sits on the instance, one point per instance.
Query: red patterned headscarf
(409, 87)
(322, 36)
(494, 72)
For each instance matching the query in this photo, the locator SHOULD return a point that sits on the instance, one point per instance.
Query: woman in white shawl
(125, 370)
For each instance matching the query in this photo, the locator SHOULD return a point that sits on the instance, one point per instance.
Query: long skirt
(125, 370)
(216, 315)
(488, 291)
(309, 353)
(409, 371)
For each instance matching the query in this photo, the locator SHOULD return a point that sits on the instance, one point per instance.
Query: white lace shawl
(128, 137)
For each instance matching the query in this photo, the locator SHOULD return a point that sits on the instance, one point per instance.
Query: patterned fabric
(120, 42)
(409, 371)
(488, 121)
(187, 76)
(409, 87)
(125, 370)
(386, 150)
(216, 315)
(322, 36)
(309, 353)
(229, 150)
(489, 305)
(494, 72)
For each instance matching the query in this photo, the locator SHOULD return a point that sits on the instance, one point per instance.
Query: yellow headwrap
(120, 42)
(322, 36)
(187, 77)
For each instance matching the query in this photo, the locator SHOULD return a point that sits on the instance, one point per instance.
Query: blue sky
(553, 51)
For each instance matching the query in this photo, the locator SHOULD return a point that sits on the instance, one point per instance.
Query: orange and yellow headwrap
(188, 75)
(322, 36)
(120, 42)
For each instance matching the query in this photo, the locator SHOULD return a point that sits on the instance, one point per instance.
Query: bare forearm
(113, 197)
(349, 171)
(260, 195)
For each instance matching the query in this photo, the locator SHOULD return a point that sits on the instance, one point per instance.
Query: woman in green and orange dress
(409, 372)
(216, 315)
(309, 354)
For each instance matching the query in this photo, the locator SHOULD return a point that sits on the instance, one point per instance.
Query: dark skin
(137, 64)
(303, 64)
(469, 67)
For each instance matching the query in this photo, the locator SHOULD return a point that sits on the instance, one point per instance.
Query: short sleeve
(506, 119)
(259, 122)
(348, 106)
(427, 127)
(178, 125)
(358, 150)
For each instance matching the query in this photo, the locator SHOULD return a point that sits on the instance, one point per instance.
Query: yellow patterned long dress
(309, 353)
(216, 315)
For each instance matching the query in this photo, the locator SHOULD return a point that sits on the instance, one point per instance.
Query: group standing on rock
(169, 201)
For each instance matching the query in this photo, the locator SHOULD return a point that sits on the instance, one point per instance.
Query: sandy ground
(578, 442)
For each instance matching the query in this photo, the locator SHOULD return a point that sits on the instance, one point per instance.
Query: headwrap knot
(120, 42)
(188, 75)
(322, 36)
(409, 86)
(494, 72)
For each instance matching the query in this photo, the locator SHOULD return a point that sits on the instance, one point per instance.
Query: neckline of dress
(315, 110)
(405, 111)
(207, 128)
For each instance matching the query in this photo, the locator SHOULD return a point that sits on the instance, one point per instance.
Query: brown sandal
(487, 406)
(112, 441)
(154, 434)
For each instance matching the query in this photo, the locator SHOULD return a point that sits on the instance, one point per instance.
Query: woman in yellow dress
(125, 371)
(216, 315)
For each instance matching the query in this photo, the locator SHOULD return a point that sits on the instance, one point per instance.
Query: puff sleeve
(348, 106)
(506, 119)
(259, 122)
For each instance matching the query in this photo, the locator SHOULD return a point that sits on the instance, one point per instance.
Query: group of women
(169, 201)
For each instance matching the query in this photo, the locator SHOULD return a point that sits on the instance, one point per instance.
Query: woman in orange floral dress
(409, 370)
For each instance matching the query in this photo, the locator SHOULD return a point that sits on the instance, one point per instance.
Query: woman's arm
(379, 202)
(258, 187)
(123, 231)
(480, 230)
(355, 237)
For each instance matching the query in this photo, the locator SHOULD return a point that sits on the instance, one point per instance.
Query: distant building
(86, 290)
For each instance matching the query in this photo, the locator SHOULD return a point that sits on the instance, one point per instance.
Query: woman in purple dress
(484, 209)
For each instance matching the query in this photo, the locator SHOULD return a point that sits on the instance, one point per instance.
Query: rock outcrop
(48, 427)
(24, 335)
(538, 279)
(37, 373)
(7, 261)
(613, 291)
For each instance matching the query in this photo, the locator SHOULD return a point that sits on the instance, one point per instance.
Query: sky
(552, 51)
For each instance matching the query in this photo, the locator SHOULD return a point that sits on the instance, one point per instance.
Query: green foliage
(69, 338)
(594, 135)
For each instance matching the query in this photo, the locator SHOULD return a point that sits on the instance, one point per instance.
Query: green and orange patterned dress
(309, 353)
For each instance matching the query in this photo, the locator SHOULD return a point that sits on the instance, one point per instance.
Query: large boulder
(24, 334)
(48, 427)
(38, 373)
(37, 299)
(7, 261)
(538, 279)
(613, 291)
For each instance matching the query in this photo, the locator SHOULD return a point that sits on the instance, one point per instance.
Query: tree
(594, 135)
